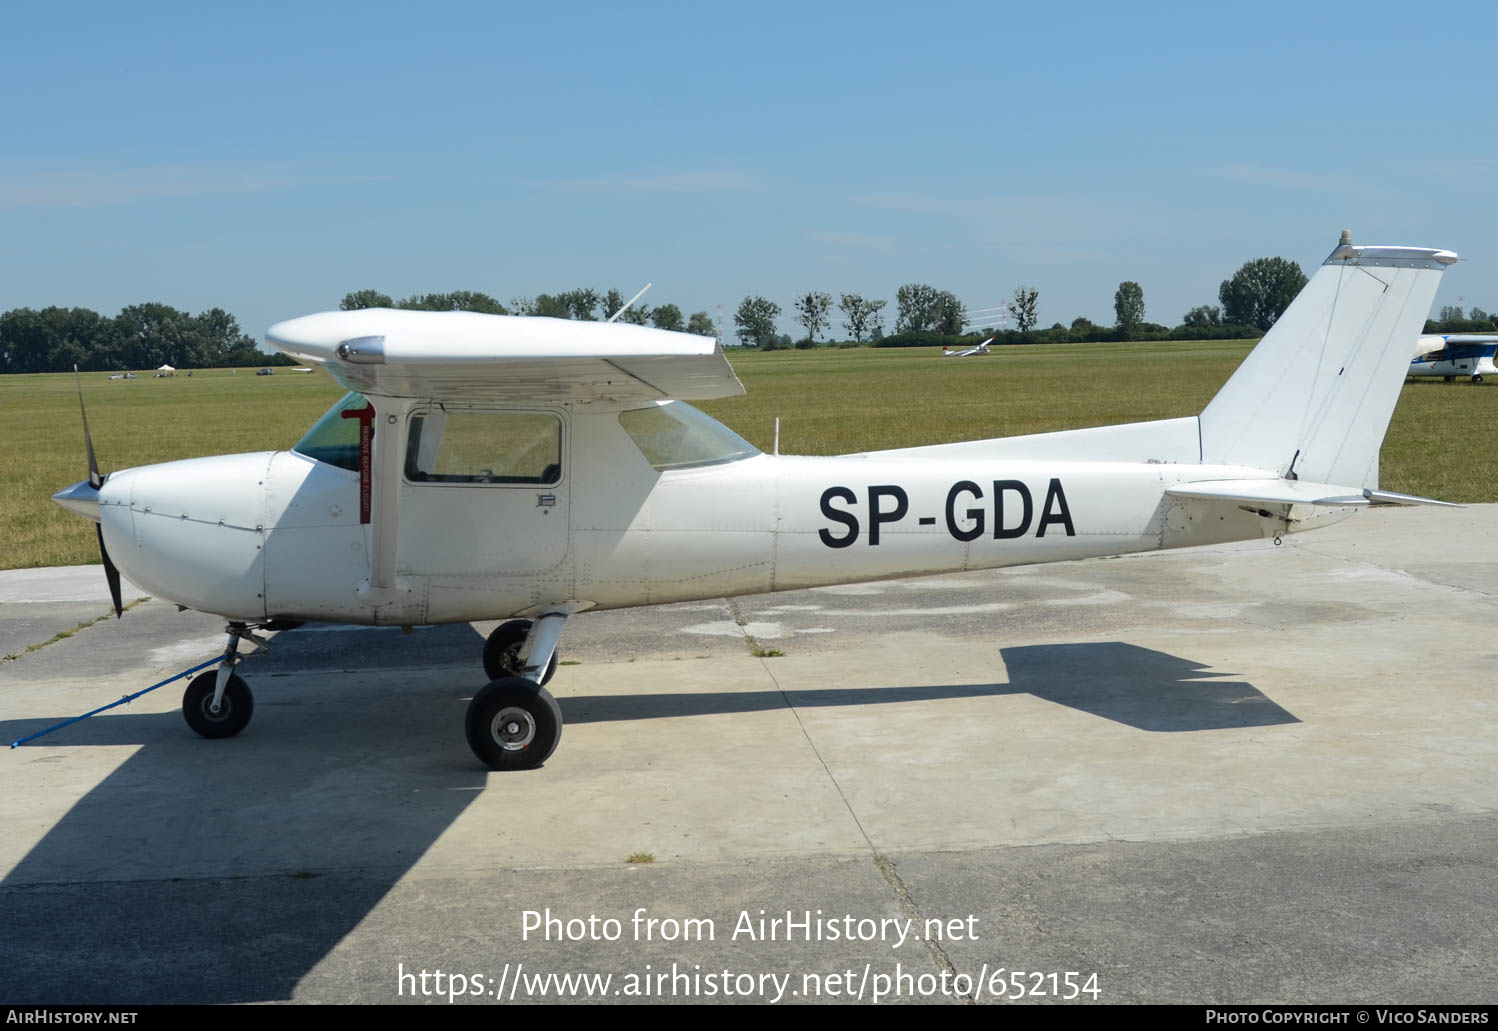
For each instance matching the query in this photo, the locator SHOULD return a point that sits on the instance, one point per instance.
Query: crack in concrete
(1416, 577)
(63, 635)
(756, 649)
(908, 907)
(913, 913)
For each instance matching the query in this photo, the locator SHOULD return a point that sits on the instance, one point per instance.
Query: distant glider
(947, 352)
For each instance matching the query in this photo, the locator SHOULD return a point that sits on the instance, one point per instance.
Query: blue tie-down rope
(128, 698)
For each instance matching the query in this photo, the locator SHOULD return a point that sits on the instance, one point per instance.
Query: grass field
(828, 401)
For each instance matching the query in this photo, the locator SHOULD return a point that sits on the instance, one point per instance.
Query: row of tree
(920, 309)
(145, 336)
(584, 304)
(142, 336)
(1255, 296)
(1251, 300)
(1453, 319)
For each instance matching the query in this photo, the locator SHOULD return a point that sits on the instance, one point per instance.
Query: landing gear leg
(219, 704)
(514, 723)
(504, 647)
(541, 650)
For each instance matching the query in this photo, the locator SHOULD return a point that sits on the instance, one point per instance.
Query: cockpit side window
(675, 435)
(334, 439)
(467, 446)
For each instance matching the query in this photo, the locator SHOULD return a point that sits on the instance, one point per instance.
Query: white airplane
(1449, 355)
(496, 467)
(982, 348)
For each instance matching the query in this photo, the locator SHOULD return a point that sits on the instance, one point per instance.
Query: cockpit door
(485, 492)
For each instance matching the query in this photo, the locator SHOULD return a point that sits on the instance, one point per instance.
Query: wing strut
(388, 461)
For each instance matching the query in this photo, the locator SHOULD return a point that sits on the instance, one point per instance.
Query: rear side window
(676, 435)
(484, 447)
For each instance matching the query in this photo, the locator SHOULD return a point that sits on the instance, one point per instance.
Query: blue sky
(269, 158)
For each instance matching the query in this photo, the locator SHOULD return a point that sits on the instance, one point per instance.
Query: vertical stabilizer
(1312, 401)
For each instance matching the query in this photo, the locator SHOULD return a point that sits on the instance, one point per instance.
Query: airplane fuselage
(487, 466)
(278, 535)
(1457, 361)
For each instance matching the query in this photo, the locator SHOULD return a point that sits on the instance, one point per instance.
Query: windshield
(676, 435)
(334, 439)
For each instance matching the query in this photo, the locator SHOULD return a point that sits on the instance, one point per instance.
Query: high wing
(397, 358)
(468, 356)
(1433, 342)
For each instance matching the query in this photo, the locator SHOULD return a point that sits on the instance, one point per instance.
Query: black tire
(502, 651)
(513, 724)
(1476, 379)
(233, 715)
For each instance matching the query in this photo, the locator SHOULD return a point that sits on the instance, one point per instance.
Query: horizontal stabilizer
(1388, 497)
(1296, 492)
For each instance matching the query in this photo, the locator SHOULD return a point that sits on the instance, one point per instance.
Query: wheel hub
(513, 728)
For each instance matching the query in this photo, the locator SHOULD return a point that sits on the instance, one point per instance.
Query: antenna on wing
(627, 303)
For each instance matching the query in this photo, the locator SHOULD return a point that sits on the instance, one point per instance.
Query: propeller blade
(111, 574)
(95, 480)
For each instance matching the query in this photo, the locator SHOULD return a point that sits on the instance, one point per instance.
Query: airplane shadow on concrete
(133, 897)
(1138, 687)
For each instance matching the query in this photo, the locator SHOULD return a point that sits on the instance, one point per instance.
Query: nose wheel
(229, 717)
(513, 724)
(218, 703)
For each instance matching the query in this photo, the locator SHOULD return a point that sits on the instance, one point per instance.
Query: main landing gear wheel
(513, 724)
(1476, 379)
(502, 651)
(234, 711)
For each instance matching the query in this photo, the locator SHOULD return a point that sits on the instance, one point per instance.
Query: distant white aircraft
(1452, 355)
(498, 467)
(947, 352)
